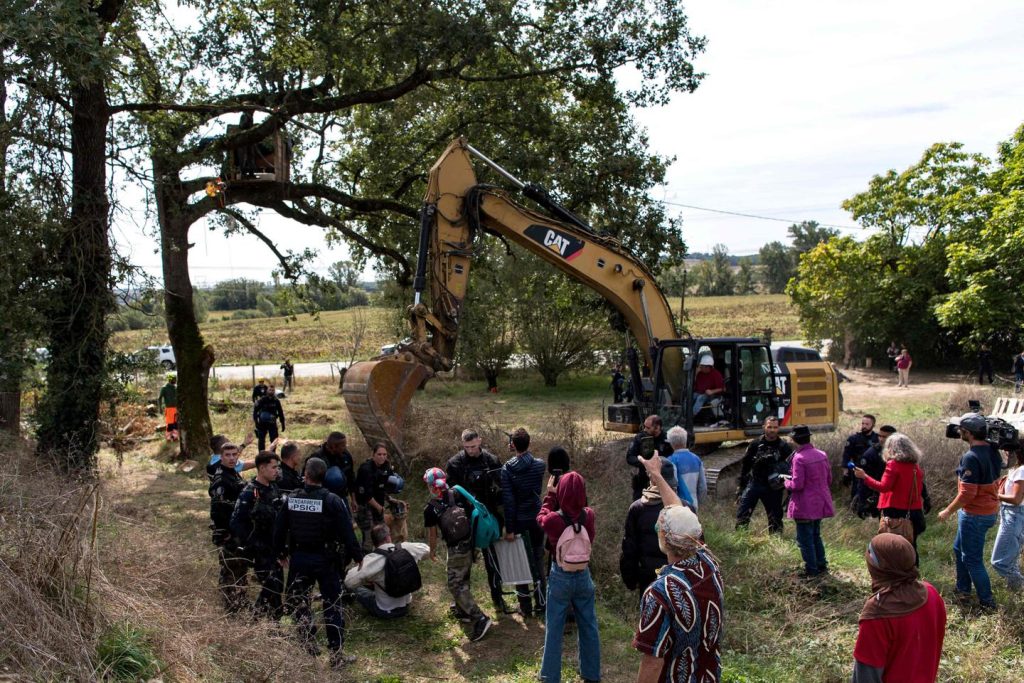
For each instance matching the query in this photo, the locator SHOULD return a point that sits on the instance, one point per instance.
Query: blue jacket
(521, 480)
(690, 475)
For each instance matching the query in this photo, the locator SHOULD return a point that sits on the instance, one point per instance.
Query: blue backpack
(485, 525)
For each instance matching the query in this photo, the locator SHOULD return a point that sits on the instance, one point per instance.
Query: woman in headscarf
(903, 623)
(565, 512)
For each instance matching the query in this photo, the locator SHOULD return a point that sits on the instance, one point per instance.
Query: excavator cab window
(757, 385)
(669, 391)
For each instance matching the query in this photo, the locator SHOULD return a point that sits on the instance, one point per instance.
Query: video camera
(998, 432)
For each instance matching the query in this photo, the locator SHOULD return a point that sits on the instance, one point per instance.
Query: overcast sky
(803, 102)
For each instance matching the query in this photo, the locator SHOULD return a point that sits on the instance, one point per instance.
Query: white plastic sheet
(512, 561)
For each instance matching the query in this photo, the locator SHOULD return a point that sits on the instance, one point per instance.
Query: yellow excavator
(792, 383)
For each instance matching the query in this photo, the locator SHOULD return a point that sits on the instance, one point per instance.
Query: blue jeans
(698, 402)
(575, 589)
(969, 552)
(1006, 552)
(808, 537)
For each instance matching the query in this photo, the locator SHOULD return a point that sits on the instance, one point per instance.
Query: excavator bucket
(377, 393)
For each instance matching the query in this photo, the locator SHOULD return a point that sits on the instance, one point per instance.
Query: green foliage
(745, 277)
(714, 277)
(124, 653)
(488, 326)
(778, 264)
(941, 272)
(236, 294)
(809, 234)
(673, 280)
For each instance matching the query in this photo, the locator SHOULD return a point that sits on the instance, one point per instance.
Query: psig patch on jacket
(562, 243)
(305, 505)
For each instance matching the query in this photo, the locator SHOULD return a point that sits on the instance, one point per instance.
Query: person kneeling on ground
(681, 614)
(391, 572)
(569, 526)
(903, 623)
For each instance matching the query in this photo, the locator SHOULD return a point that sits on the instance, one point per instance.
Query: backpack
(401, 573)
(572, 552)
(485, 525)
(455, 525)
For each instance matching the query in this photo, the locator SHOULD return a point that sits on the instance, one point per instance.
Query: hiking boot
(340, 660)
(988, 607)
(480, 628)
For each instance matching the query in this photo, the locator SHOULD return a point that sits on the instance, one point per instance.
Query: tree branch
(289, 269)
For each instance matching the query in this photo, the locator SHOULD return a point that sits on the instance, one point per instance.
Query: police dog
(396, 514)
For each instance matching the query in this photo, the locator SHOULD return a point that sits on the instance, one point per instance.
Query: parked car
(164, 356)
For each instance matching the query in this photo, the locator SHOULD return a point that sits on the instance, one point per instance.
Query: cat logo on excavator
(566, 246)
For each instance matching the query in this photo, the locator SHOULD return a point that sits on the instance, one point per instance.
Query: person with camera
(764, 463)
(1010, 537)
(650, 440)
(976, 505)
(901, 488)
(478, 471)
(641, 556)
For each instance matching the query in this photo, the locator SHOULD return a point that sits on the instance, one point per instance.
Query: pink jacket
(810, 496)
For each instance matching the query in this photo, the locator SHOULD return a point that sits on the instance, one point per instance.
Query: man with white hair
(690, 473)
(681, 614)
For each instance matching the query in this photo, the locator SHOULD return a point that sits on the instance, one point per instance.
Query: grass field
(777, 628)
(330, 336)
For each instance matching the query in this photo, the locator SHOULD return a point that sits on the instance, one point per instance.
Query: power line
(751, 215)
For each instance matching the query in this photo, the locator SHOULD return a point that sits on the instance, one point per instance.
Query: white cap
(707, 360)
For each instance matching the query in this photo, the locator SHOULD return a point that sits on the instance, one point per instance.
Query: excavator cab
(749, 376)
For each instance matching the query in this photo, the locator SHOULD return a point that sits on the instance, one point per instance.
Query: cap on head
(973, 423)
(707, 360)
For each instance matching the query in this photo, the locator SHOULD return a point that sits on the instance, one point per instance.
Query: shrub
(124, 653)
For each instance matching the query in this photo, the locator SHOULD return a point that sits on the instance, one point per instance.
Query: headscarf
(681, 528)
(436, 480)
(572, 494)
(894, 578)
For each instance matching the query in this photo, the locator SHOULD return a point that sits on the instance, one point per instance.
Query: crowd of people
(294, 526)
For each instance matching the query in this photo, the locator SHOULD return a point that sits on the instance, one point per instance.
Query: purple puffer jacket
(809, 488)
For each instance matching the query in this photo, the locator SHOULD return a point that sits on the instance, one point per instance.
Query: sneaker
(480, 628)
(339, 659)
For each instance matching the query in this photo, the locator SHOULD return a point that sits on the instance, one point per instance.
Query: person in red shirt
(708, 383)
(903, 623)
(903, 365)
(902, 485)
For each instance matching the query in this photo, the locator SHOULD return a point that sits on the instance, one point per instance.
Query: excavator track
(377, 394)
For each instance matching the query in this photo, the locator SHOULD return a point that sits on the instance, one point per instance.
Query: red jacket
(897, 487)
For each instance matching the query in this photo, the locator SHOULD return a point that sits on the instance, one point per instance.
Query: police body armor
(769, 465)
(224, 491)
(266, 502)
(306, 515)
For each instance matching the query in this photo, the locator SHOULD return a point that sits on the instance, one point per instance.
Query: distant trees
(714, 276)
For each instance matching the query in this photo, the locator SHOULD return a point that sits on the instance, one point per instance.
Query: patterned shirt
(681, 620)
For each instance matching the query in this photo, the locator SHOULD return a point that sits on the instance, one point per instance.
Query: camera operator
(479, 471)
(646, 443)
(764, 463)
(976, 505)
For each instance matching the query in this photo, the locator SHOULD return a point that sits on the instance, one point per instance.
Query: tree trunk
(78, 335)
(194, 358)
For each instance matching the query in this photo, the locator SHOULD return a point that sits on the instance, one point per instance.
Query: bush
(124, 653)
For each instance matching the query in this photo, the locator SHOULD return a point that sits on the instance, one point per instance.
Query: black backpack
(401, 573)
(454, 522)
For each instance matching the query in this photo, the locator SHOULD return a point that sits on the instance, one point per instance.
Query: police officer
(650, 440)
(856, 445)
(865, 502)
(252, 524)
(225, 487)
(334, 452)
(290, 478)
(763, 463)
(479, 471)
(371, 492)
(313, 536)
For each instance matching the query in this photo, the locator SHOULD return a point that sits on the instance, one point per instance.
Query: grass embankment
(329, 336)
(154, 548)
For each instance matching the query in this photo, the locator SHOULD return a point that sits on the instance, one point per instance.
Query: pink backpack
(572, 552)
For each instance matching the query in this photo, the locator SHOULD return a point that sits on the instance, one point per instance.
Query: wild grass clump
(125, 653)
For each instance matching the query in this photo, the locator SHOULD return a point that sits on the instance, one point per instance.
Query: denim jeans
(368, 599)
(808, 537)
(1006, 552)
(699, 400)
(969, 552)
(567, 589)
